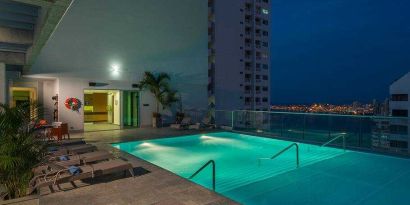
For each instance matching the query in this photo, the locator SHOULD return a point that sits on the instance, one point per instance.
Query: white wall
(117, 108)
(48, 91)
(74, 88)
(147, 107)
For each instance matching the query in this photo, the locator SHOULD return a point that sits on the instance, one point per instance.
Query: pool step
(229, 181)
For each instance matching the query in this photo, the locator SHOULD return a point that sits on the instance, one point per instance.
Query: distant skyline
(337, 51)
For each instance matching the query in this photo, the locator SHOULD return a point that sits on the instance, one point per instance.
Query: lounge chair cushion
(64, 158)
(74, 170)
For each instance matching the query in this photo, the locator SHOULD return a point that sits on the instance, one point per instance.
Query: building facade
(392, 133)
(238, 54)
(399, 107)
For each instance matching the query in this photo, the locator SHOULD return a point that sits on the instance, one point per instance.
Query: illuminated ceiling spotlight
(115, 68)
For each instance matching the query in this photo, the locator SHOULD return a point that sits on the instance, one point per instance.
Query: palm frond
(160, 87)
(20, 151)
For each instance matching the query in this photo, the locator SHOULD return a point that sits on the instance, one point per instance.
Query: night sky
(338, 51)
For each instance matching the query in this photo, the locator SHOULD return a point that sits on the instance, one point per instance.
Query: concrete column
(121, 103)
(3, 83)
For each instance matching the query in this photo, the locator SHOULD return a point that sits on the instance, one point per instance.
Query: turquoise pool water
(325, 176)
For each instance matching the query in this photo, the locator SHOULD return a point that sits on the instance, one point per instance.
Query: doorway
(130, 102)
(24, 95)
(21, 95)
(102, 110)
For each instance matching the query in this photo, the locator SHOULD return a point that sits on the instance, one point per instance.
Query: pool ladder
(213, 172)
(334, 139)
(281, 152)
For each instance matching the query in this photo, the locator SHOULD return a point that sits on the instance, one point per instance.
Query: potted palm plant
(158, 85)
(20, 151)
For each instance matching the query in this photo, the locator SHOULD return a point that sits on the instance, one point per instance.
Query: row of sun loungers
(187, 124)
(68, 163)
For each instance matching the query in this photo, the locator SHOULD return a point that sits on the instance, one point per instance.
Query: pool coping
(183, 191)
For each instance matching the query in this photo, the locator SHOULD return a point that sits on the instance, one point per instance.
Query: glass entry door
(130, 108)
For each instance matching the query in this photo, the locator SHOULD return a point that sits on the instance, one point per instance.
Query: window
(264, 99)
(265, 22)
(265, 66)
(265, 11)
(398, 144)
(264, 55)
(399, 129)
(400, 113)
(400, 97)
(265, 89)
(265, 44)
(265, 77)
(265, 33)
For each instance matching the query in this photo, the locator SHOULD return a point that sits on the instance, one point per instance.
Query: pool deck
(152, 185)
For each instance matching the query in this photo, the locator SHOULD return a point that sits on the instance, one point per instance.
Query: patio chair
(80, 159)
(72, 149)
(68, 142)
(79, 173)
(64, 131)
(3, 195)
(55, 134)
(206, 123)
(184, 123)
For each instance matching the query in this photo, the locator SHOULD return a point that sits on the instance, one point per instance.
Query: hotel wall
(138, 36)
(45, 88)
(74, 88)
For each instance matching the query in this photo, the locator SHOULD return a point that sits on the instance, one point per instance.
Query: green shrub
(20, 151)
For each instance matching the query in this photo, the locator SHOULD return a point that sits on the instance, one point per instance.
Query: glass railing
(372, 133)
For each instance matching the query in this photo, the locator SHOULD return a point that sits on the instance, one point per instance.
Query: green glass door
(130, 108)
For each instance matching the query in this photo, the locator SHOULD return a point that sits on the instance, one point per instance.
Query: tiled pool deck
(158, 186)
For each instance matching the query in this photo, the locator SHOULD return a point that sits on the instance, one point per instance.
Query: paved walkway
(154, 185)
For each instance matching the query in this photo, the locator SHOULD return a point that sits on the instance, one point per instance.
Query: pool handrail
(334, 139)
(282, 151)
(203, 167)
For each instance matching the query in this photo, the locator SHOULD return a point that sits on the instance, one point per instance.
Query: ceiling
(25, 26)
(18, 15)
(135, 35)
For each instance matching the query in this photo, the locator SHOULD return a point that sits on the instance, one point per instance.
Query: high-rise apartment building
(393, 133)
(238, 48)
(399, 107)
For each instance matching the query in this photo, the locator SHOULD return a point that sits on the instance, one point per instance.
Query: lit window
(265, 11)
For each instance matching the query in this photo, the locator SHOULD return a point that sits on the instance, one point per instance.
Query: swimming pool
(325, 175)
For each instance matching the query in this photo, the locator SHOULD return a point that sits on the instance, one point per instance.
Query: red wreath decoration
(73, 104)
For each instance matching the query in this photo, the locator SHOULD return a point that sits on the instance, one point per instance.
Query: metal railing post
(232, 116)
